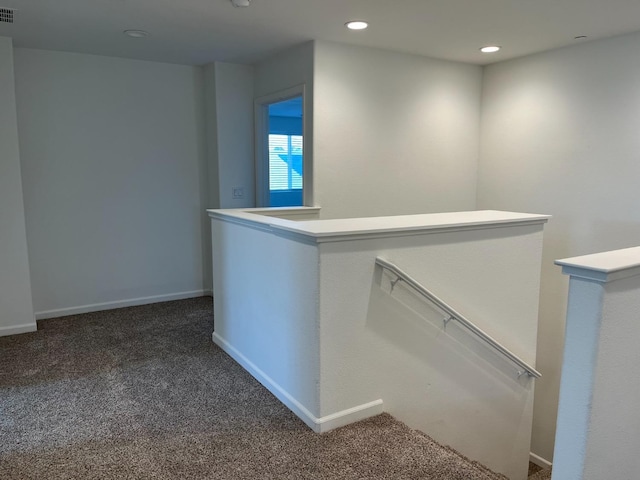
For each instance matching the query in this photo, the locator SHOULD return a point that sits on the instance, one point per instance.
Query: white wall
(211, 129)
(393, 133)
(113, 154)
(16, 309)
(230, 133)
(393, 346)
(228, 103)
(322, 332)
(285, 70)
(560, 136)
(387, 133)
(266, 310)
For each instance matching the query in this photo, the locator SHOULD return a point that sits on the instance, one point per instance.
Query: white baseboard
(318, 425)
(350, 415)
(97, 307)
(537, 460)
(17, 329)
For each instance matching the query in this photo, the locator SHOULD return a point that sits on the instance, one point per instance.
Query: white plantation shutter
(296, 149)
(282, 175)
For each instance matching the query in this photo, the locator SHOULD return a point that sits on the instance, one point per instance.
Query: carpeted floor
(541, 475)
(143, 393)
(538, 473)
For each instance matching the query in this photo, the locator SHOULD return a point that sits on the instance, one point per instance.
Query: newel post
(598, 431)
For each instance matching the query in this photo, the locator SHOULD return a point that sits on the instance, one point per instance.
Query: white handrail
(454, 315)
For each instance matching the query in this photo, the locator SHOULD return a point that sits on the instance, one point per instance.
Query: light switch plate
(237, 192)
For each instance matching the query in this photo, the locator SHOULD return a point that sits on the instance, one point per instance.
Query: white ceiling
(201, 31)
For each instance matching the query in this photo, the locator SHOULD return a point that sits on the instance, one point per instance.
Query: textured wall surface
(16, 309)
(393, 133)
(113, 154)
(559, 137)
(439, 380)
(266, 294)
(598, 427)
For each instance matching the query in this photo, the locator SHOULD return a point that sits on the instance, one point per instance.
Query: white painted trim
(17, 329)
(318, 425)
(350, 415)
(604, 266)
(296, 407)
(261, 124)
(541, 462)
(347, 229)
(97, 307)
(281, 212)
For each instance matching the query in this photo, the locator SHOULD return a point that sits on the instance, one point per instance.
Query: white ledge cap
(340, 229)
(605, 266)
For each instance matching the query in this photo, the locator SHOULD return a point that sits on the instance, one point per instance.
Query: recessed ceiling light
(490, 49)
(241, 3)
(136, 33)
(356, 25)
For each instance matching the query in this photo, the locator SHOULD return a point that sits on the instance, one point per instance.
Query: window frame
(261, 125)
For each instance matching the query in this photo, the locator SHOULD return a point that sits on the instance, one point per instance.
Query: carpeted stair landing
(143, 393)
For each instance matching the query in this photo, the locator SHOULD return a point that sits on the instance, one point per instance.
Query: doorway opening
(280, 158)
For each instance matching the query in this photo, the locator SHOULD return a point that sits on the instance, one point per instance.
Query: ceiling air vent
(6, 15)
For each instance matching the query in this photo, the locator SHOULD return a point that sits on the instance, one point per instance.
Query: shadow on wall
(446, 382)
(417, 327)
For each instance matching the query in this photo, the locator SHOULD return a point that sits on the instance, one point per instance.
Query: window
(285, 162)
(285, 170)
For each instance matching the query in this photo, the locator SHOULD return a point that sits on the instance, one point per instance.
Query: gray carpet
(541, 475)
(143, 393)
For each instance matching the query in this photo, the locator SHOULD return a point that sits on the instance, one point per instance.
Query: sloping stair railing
(452, 314)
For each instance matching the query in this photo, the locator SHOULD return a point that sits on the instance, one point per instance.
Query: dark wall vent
(6, 15)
